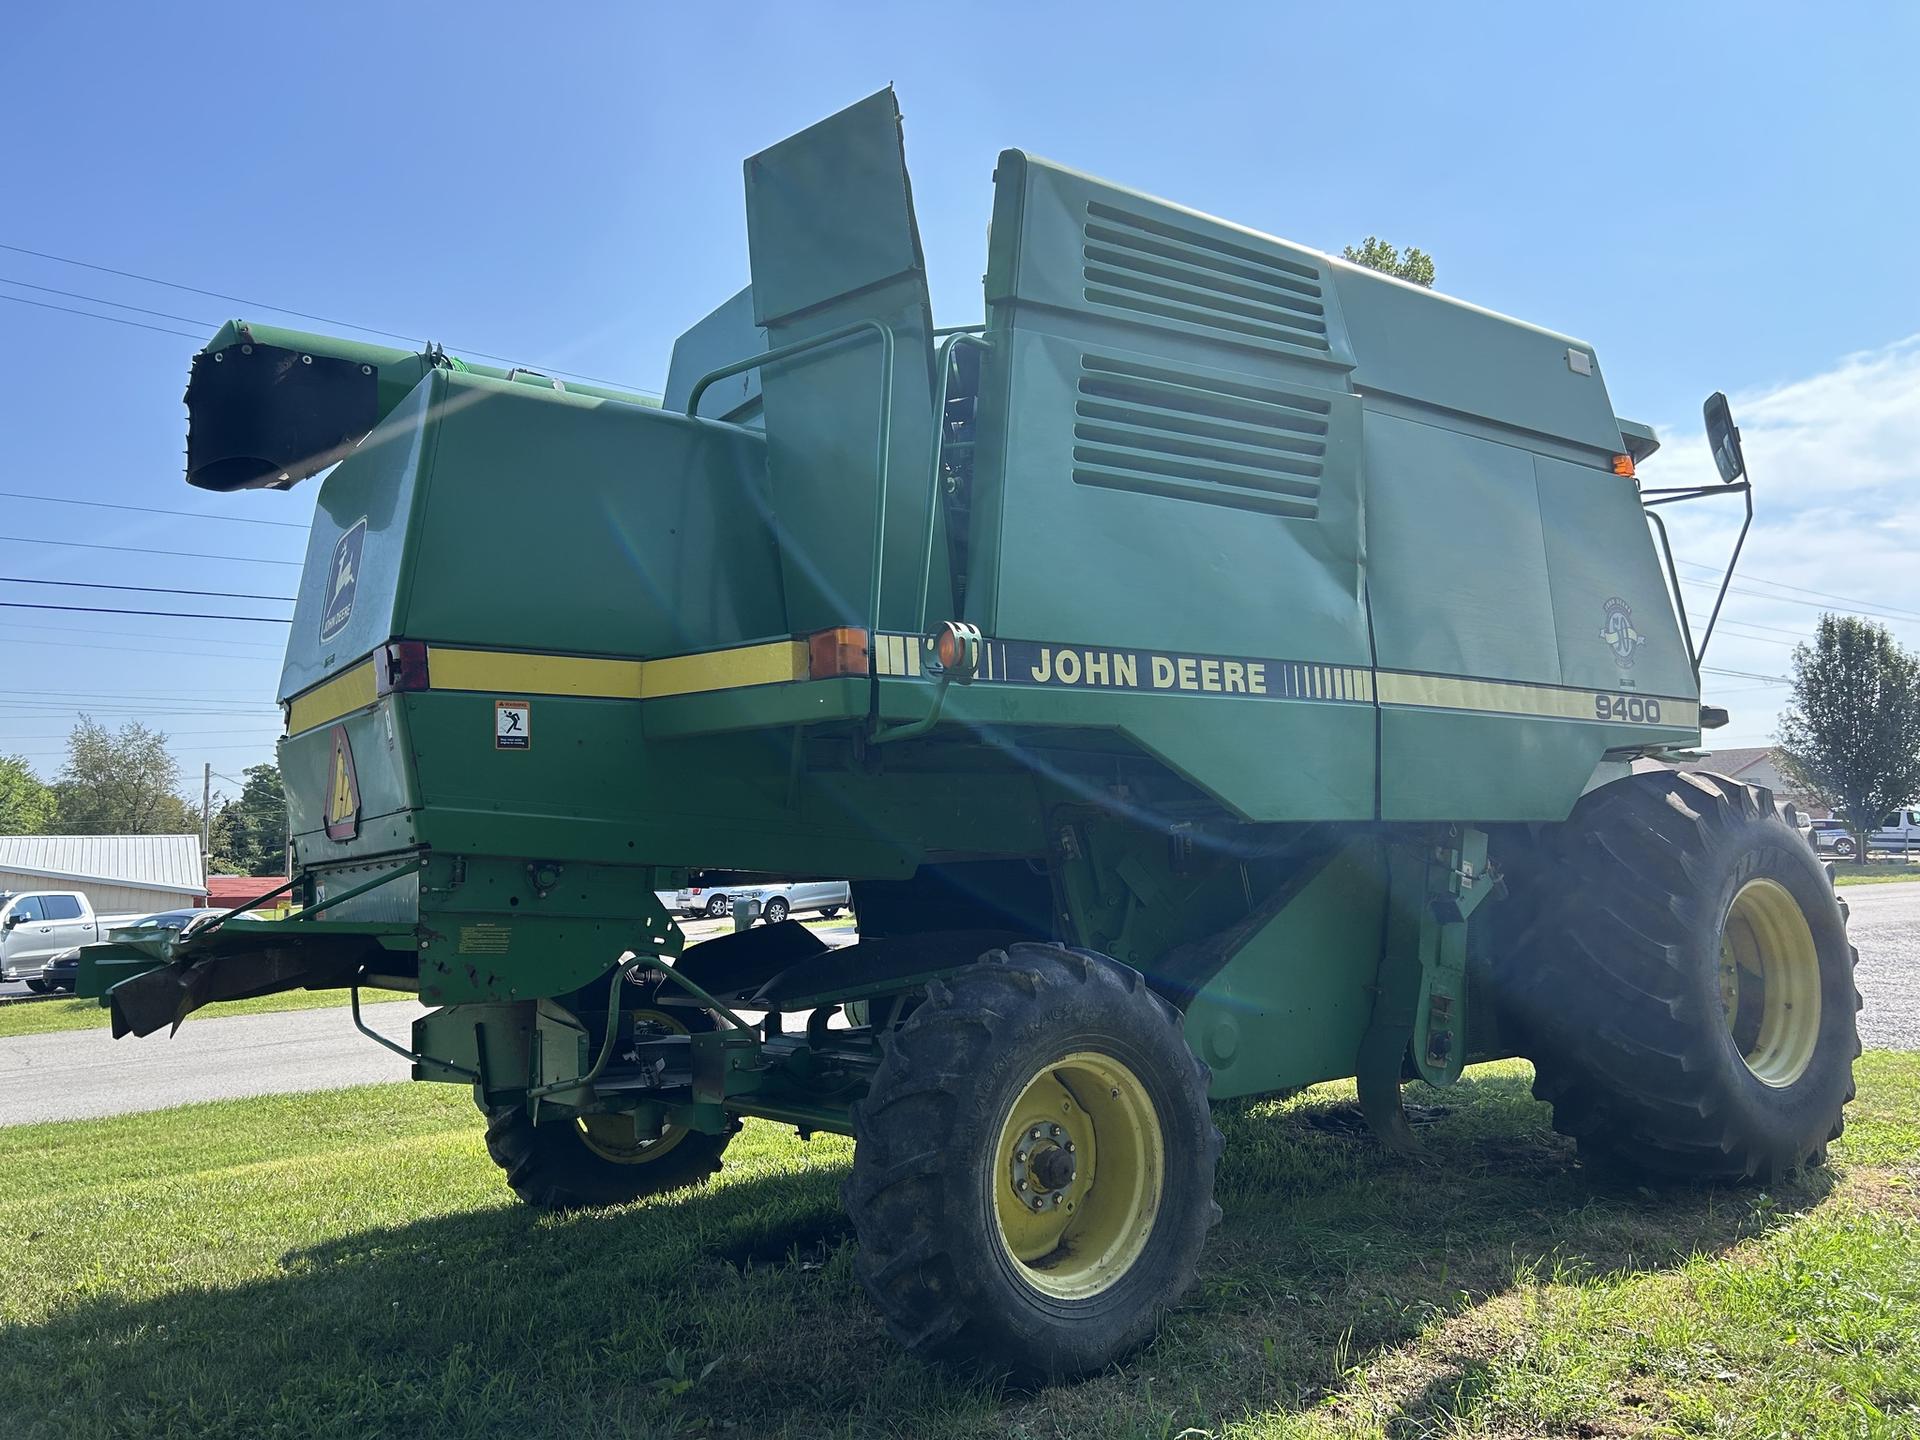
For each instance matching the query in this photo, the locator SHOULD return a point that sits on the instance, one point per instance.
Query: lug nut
(1038, 1203)
(1019, 1184)
(1054, 1130)
(1034, 1134)
(1069, 1147)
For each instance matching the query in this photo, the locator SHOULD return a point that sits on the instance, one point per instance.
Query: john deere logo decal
(1619, 633)
(343, 790)
(343, 578)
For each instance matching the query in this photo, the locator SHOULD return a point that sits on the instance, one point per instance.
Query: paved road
(1886, 930)
(75, 1074)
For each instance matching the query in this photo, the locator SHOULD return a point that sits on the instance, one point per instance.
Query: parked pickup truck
(36, 925)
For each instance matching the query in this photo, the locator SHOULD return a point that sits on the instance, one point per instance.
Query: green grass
(1881, 872)
(349, 1264)
(41, 1017)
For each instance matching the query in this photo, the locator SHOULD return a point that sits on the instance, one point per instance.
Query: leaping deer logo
(343, 578)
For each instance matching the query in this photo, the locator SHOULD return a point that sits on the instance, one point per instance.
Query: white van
(1899, 831)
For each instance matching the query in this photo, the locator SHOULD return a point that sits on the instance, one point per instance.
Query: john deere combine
(1219, 672)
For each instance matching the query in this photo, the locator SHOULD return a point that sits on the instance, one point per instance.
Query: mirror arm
(1725, 580)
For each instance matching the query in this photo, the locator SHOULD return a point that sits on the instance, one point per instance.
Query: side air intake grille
(1169, 272)
(1163, 431)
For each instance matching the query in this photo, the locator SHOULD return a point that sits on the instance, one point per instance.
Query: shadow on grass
(734, 1309)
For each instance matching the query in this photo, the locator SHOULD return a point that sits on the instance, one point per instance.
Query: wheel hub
(1044, 1166)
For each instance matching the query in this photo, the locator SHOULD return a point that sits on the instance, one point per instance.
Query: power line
(284, 310)
(110, 319)
(152, 510)
(145, 549)
(267, 645)
(157, 614)
(141, 589)
(171, 735)
(1858, 607)
(97, 300)
(1783, 585)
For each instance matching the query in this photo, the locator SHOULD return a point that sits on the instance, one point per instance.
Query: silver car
(1831, 837)
(778, 899)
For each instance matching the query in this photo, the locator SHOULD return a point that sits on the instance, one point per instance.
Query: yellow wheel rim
(1770, 982)
(612, 1137)
(1077, 1176)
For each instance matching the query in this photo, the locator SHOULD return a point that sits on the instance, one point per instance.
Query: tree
(123, 783)
(26, 802)
(1376, 254)
(250, 833)
(1853, 726)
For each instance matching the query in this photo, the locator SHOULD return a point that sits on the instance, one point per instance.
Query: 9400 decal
(1635, 709)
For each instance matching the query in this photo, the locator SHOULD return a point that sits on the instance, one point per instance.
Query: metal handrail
(944, 365)
(883, 440)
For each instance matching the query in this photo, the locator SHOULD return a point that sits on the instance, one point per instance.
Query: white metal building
(119, 874)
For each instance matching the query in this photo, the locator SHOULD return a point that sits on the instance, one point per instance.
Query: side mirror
(14, 919)
(1723, 438)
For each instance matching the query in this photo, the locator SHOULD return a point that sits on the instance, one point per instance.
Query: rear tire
(982, 1234)
(717, 908)
(1683, 982)
(39, 986)
(566, 1163)
(775, 911)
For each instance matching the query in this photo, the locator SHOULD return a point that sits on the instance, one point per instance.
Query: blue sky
(1714, 196)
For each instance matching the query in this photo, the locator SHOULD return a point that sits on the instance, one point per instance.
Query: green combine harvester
(1219, 672)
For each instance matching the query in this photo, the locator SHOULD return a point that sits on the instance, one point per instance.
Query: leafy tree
(250, 833)
(26, 801)
(1853, 727)
(119, 783)
(1376, 254)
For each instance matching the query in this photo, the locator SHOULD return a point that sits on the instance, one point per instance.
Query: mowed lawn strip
(41, 1017)
(350, 1264)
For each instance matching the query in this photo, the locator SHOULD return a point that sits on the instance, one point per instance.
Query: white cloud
(1835, 463)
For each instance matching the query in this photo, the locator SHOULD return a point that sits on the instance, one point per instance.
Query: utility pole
(206, 819)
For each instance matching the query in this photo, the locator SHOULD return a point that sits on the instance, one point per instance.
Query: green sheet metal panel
(1169, 460)
(1434, 350)
(556, 523)
(833, 241)
(724, 335)
(510, 517)
(1290, 1007)
(358, 547)
(1457, 572)
(1612, 613)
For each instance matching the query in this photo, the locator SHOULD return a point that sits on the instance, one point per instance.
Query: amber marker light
(841, 651)
(1623, 465)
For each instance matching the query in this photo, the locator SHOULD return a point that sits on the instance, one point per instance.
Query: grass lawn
(41, 1016)
(348, 1264)
(1880, 872)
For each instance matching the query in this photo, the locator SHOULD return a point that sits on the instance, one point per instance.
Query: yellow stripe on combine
(512, 672)
(517, 673)
(774, 663)
(346, 692)
(1500, 697)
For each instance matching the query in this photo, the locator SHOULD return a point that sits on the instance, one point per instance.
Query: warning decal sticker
(510, 721)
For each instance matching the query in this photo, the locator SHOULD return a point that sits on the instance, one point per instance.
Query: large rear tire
(567, 1163)
(1033, 1169)
(1682, 981)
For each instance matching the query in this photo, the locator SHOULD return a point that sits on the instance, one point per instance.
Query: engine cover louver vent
(1150, 267)
(1163, 431)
